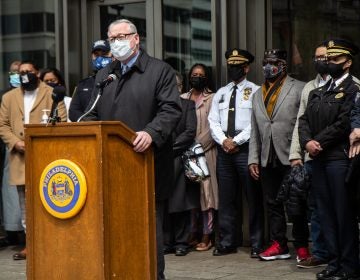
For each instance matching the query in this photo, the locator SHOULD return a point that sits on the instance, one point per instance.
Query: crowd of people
(287, 145)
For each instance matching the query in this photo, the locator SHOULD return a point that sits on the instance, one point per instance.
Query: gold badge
(247, 93)
(339, 95)
(331, 44)
(235, 53)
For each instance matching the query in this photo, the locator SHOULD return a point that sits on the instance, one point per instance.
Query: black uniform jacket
(81, 98)
(327, 119)
(145, 99)
(355, 113)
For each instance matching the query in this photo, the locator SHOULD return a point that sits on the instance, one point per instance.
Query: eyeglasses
(13, 72)
(120, 37)
(319, 58)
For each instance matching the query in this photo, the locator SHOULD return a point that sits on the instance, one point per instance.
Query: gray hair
(132, 26)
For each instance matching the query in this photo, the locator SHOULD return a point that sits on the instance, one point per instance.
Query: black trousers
(271, 179)
(337, 216)
(233, 176)
(176, 229)
(160, 208)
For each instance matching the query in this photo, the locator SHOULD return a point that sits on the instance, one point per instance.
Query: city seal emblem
(63, 188)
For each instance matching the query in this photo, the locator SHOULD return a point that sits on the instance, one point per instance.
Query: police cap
(238, 56)
(337, 47)
(101, 45)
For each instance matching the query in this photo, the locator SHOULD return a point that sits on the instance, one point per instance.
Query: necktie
(124, 69)
(231, 114)
(332, 86)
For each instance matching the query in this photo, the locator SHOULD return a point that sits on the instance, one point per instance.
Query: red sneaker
(275, 252)
(302, 254)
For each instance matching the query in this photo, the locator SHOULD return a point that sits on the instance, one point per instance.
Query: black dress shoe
(342, 275)
(221, 251)
(255, 252)
(169, 250)
(325, 274)
(181, 252)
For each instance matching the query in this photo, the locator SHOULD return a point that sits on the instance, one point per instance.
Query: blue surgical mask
(100, 62)
(14, 80)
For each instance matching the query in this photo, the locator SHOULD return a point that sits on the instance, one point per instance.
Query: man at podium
(144, 96)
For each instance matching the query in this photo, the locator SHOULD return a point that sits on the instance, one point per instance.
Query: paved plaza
(195, 266)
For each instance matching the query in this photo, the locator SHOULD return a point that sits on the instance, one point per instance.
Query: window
(299, 26)
(187, 37)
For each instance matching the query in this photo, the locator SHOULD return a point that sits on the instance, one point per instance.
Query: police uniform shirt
(338, 81)
(218, 116)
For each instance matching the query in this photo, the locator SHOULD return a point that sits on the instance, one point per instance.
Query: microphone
(57, 96)
(112, 77)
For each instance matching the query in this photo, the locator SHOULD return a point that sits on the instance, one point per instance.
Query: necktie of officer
(332, 86)
(231, 114)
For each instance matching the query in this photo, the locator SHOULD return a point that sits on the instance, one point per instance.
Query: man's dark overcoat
(145, 99)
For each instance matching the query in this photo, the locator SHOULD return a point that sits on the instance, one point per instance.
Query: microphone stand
(100, 92)
(54, 118)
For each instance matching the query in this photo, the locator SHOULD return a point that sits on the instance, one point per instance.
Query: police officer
(100, 56)
(323, 132)
(230, 125)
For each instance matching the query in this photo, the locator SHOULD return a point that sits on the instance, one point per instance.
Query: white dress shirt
(218, 116)
(29, 99)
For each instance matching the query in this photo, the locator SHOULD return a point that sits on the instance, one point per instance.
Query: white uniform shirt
(29, 99)
(218, 116)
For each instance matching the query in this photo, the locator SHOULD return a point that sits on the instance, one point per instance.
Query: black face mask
(29, 81)
(321, 67)
(336, 70)
(53, 85)
(236, 72)
(198, 83)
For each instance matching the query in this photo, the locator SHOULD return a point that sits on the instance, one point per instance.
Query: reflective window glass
(187, 37)
(27, 33)
(299, 26)
(135, 12)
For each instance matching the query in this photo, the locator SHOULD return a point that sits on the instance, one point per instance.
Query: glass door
(139, 12)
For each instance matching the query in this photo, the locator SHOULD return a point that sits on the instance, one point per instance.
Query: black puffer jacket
(294, 190)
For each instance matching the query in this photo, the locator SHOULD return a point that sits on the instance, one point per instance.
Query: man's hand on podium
(142, 141)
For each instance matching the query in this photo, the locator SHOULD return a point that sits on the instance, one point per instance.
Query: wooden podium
(113, 235)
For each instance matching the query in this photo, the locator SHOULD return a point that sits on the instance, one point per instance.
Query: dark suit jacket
(184, 197)
(145, 99)
(185, 132)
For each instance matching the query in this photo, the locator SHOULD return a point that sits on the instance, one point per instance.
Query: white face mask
(121, 50)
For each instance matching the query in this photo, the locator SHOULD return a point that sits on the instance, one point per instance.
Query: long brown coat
(12, 125)
(209, 187)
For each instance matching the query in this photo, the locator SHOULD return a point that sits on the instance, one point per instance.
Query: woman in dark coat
(185, 196)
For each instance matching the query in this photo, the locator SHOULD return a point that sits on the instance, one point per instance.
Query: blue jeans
(319, 249)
